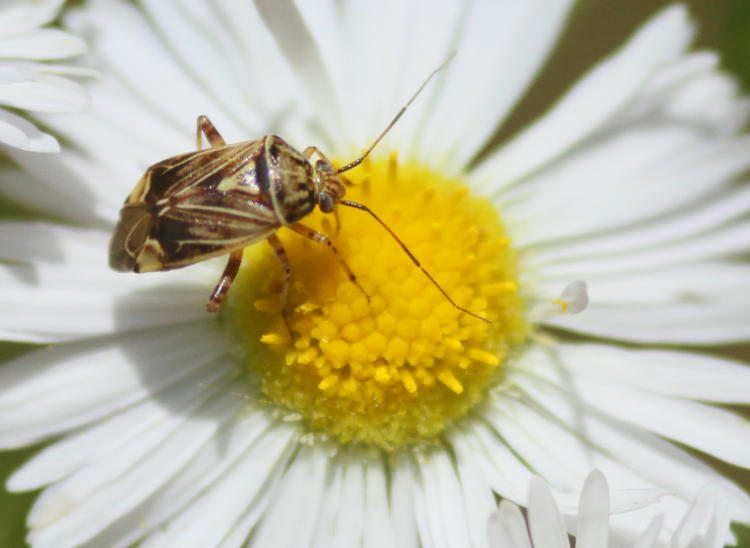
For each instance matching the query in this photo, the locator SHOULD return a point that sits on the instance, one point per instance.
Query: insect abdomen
(130, 235)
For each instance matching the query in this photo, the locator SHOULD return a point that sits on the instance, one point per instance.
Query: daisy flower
(704, 525)
(389, 417)
(28, 83)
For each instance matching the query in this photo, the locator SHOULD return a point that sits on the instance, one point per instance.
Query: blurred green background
(596, 28)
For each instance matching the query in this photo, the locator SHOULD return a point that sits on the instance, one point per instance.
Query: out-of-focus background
(596, 28)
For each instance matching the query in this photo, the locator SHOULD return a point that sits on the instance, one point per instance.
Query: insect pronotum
(217, 201)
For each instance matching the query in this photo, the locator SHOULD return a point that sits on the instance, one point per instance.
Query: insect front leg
(278, 249)
(230, 271)
(308, 232)
(205, 127)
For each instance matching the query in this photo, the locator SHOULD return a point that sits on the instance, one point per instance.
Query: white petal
(45, 93)
(593, 513)
(378, 529)
(211, 516)
(600, 93)
(52, 390)
(21, 16)
(670, 373)
(105, 438)
(301, 51)
(500, 467)
(122, 494)
(651, 457)
(632, 241)
(445, 512)
(149, 66)
(300, 494)
(507, 527)
(20, 133)
(715, 322)
(472, 103)
(238, 440)
(402, 503)
(478, 499)
(205, 58)
(672, 174)
(42, 44)
(545, 522)
(650, 535)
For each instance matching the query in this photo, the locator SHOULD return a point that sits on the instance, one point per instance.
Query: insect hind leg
(205, 127)
(230, 272)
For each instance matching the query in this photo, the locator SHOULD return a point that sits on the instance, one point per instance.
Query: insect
(217, 201)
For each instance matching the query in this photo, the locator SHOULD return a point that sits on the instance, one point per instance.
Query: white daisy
(705, 524)
(396, 419)
(28, 83)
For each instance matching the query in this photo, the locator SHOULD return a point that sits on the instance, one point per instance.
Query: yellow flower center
(400, 368)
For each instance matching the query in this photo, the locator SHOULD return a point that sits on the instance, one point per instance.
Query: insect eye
(325, 202)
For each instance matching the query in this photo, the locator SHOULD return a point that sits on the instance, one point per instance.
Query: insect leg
(230, 271)
(309, 151)
(206, 128)
(321, 239)
(278, 249)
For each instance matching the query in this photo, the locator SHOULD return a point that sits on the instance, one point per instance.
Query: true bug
(206, 203)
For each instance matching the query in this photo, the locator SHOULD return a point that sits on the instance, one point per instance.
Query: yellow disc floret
(397, 363)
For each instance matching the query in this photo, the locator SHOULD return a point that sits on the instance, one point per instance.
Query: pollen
(384, 359)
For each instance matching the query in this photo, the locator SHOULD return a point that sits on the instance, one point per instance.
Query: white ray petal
(241, 488)
(593, 512)
(230, 444)
(728, 241)
(442, 499)
(472, 102)
(116, 498)
(49, 391)
(478, 500)
(402, 503)
(92, 444)
(655, 459)
(545, 522)
(45, 93)
(695, 282)
(378, 528)
(18, 17)
(538, 440)
(593, 204)
(209, 61)
(302, 50)
(20, 133)
(591, 102)
(709, 429)
(713, 322)
(710, 214)
(42, 44)
(500, 467)
(51, 303)
(150, 69)
(299, 494)
(670, 373)
(507, 527)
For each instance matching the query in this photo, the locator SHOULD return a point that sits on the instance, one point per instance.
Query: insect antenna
(359, 160)
(412, 257)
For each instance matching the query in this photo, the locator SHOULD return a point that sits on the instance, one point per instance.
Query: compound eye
(325, 202)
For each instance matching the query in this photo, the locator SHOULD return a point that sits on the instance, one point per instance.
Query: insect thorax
(287, 176)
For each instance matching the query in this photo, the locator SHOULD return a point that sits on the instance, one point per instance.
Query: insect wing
(204, 204)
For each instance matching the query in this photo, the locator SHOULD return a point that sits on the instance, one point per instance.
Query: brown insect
(206, 203)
